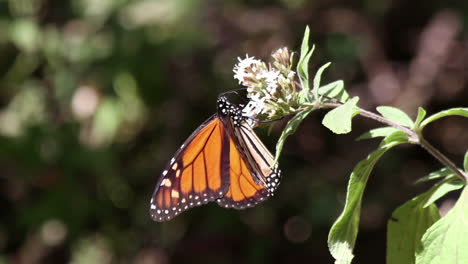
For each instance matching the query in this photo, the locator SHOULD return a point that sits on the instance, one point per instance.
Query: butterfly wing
(252, 178)
(260, 158)
(198, 173)
(222, 160)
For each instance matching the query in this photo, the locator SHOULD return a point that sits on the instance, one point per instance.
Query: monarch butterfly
(222, 161)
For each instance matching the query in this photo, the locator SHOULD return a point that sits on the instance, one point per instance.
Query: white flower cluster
(270, 88)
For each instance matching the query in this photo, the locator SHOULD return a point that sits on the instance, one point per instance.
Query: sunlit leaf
(420, 117)
(378, 132)
(334, 90)
(446, 241)
(318, 78)
(444, 172)
(339, 119)
(454, 111)
(343, 233)
(395, 115)
(442, 188)
(303, 64)
(405, 228)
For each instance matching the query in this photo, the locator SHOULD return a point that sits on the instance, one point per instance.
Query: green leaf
(334, 90)
(446, 241)
(442, 188)
(338, 120)
(303, 64)
(396, 115)
(305, 44)
(421, 115)
(342, 236)
(290, 128)
(454, 111)
(318, 78)
(465, 162)
(406, 227)
(442, 173)
(378, 132)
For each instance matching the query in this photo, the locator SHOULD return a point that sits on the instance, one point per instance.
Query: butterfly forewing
(196, 175)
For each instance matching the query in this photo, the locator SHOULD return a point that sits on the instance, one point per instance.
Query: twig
(441, 157)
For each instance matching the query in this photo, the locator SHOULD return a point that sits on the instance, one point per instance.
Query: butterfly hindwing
(261, 160)
(252, 178)
(196, 175)
(243, 190)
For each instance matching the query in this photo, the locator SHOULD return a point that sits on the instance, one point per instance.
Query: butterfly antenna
(264, 121)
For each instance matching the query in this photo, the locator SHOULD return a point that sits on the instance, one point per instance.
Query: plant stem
(412, 136)
(410, 133)
(441, 157)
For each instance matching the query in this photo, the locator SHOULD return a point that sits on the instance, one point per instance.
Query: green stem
(410, 133)
(442, 158)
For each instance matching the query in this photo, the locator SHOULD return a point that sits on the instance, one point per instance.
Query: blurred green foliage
(96, 96)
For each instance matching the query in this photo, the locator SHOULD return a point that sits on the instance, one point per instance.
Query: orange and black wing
(198, 173)
(253, 178)
(222, 160)
(243, 191)
(259, 157)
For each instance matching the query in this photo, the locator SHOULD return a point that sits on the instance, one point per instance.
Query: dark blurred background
(97, 95)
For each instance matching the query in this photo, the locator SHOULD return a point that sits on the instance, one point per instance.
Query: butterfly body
(222, 161)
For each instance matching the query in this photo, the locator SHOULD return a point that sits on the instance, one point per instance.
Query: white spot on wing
(168, 183)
